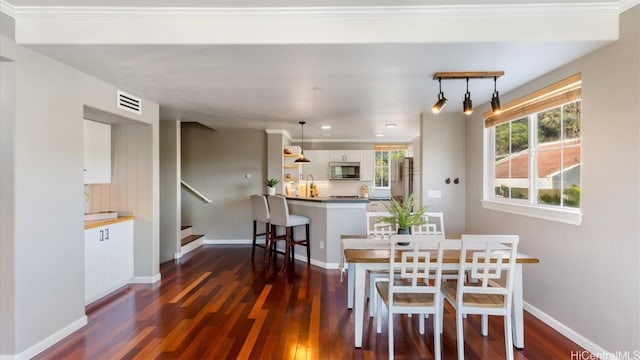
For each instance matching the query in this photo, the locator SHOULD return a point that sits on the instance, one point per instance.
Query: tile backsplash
(345, 188)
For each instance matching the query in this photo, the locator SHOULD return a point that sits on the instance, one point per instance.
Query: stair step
(185, 231)
(189, 239)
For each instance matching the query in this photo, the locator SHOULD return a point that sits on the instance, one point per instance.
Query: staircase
(188, 240)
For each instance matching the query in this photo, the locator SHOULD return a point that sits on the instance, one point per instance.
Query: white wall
(588, 278)
(443, 156)
(215, 163)
(48, 247)
(169, 189)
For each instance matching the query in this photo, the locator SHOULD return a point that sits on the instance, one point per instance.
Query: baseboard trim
(145, 279)
(571, 334)
(227, 241)
(49, 341)
(188, 248)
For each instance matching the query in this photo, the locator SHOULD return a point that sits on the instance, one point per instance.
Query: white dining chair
(488, 259)
(434, 224)
(380, 230)
(416, 261)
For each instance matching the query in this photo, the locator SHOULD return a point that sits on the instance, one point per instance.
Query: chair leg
(308, 244)
(378, 315)
(421, 325)
(437, 324)
(508, 338)
(267, 243)
(485, 324)
(287, 245)
(390, 329)
(253, 248)
(459, 334)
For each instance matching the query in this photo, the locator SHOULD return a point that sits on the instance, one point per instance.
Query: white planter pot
(271, 191)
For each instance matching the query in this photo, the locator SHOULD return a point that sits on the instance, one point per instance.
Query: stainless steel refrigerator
(402, 179)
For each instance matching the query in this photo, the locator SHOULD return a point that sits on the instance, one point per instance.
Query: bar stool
(260, 212)
(280, 217)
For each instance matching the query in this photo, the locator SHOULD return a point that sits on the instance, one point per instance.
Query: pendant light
(442, 101)
(467, 106)
(495, 98)
(302, 159)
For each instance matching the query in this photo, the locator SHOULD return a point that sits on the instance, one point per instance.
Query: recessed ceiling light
(325, 127)
(391, 125)
(379, 134)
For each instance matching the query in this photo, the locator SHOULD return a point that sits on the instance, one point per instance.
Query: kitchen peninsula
(330, 218)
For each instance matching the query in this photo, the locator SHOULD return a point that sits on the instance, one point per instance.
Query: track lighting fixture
(442, 101)
(495, 98)
(302, 159)
(467, 104)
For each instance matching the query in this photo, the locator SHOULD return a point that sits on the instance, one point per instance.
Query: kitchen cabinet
(345, 155)
(108, 258)
(319, 165)
(97, 152)
(366, 165)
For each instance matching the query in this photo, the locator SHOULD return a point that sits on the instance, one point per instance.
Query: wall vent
(129, 102)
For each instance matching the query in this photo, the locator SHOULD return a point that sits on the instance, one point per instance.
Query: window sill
(573, 217)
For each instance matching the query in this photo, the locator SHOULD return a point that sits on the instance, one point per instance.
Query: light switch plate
(434, 194)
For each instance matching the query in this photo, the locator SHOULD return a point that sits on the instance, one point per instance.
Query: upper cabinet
(97, 152)
(318, 166)
(345, 155)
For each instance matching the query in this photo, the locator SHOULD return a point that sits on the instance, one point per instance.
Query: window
(383, 162)
(535, 161)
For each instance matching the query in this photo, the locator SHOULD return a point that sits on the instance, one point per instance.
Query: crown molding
(284, 133)
(627, 4)
(546, 9)
(7, 8)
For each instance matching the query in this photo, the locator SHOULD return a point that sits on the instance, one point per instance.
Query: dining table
(362, 254)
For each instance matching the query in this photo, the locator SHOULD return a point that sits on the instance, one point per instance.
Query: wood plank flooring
(215, 303)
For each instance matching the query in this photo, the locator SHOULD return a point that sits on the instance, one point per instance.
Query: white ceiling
(356, 88)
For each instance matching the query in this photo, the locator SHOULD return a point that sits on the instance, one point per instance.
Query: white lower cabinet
(108, 259)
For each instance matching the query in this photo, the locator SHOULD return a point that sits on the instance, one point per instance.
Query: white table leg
(360, 277)
(350, 280)
(517, 309)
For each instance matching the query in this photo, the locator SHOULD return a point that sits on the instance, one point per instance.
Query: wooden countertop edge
(97, 223)
(366, 256)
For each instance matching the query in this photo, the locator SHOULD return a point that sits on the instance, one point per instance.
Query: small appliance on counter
(364, 191)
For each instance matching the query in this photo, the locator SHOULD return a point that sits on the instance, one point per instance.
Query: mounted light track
(467, 104)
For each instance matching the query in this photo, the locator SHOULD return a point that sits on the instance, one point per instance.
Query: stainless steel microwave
(344, 171)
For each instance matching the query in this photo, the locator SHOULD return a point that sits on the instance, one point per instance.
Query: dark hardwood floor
(215, 303)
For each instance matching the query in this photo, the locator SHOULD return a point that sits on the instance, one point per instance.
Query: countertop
(327, 199)
(97, 223)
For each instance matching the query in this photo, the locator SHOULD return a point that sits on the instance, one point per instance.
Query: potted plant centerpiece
(271, 186)
(403, 216)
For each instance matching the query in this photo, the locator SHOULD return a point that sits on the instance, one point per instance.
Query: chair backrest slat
(417, 262)
(376, 228)
(490, 261)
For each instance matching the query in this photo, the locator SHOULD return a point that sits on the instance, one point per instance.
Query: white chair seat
(297, 220)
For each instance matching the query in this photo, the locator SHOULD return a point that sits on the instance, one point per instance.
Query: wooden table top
(352, 255)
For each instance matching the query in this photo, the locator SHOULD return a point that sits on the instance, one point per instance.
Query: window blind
(561, 92)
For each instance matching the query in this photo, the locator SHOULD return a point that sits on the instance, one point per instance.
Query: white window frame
(375, 167)
(526, 207)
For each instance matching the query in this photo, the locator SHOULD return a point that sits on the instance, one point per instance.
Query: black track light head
(495, 98)
(467, 105)
(442, 101)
